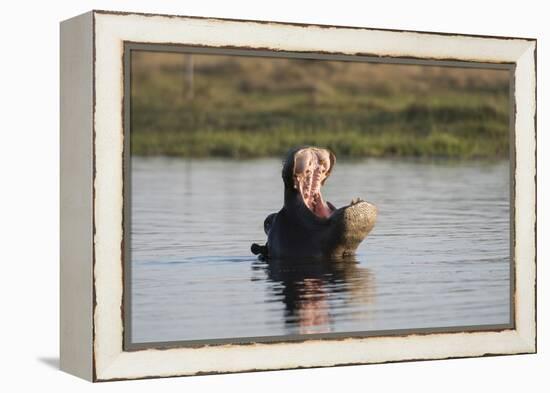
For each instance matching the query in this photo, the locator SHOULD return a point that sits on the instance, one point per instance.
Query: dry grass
(252, 106)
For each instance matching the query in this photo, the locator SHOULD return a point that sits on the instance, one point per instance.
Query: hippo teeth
(311, 168)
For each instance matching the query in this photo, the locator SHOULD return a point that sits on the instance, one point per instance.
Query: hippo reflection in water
(307, 225)
(314, 290)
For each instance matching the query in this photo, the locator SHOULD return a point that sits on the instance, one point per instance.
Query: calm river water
(437, 257)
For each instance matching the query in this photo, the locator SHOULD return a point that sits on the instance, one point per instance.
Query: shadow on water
(313, 291)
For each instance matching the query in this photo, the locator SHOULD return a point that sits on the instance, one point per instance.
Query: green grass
(255, 107)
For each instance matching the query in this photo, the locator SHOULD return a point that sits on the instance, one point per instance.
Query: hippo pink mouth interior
(312, 167)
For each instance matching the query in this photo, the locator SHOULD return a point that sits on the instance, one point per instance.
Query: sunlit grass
(254, 107)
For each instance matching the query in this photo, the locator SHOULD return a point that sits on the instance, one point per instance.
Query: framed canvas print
(244, 195)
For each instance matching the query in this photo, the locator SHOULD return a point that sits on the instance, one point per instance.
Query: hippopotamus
(307, 225)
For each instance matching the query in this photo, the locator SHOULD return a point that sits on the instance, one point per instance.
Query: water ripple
(438, 256)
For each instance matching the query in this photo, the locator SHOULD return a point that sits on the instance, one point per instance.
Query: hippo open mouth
(312, 167)
(307, 225)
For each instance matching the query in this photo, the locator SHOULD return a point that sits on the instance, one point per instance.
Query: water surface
(437, 257)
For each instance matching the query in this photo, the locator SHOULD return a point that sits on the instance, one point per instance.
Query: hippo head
(304, 173)
(338, 230)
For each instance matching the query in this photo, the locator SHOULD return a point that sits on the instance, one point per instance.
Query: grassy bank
(254, 107)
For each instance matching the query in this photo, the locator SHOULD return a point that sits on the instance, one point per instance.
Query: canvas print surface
(278, 198)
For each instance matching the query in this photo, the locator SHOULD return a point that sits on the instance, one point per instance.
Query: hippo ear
(332, 162)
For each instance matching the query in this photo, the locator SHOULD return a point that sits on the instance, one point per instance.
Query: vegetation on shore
(246, 107)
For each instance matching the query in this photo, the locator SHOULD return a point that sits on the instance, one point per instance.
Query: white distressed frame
(111, 30)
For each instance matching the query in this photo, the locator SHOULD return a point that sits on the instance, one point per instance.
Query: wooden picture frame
(94, 51)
